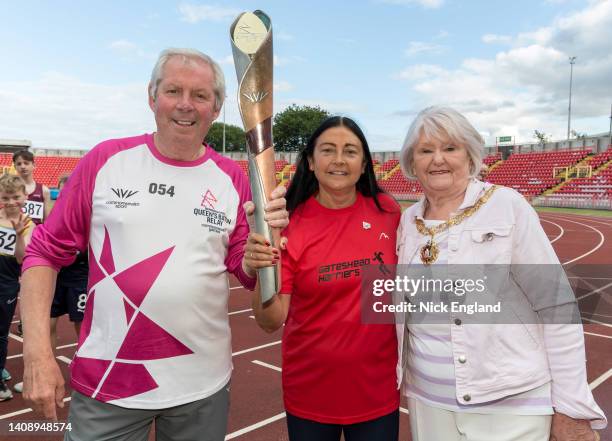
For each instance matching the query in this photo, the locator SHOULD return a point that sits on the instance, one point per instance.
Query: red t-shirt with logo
(337, 370)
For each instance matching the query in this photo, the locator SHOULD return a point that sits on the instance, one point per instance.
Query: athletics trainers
(5, 392)
(18, 387)
(6, 375)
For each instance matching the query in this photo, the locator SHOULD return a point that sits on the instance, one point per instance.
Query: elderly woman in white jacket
(472, 382)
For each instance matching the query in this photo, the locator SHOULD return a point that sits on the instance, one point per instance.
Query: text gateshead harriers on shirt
(342, 270)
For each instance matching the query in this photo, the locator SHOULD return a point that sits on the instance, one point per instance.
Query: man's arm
(46, 202)
(43, 383)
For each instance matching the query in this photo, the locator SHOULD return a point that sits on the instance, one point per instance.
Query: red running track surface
(256, 412)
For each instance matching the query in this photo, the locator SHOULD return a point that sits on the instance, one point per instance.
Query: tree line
(292, 128)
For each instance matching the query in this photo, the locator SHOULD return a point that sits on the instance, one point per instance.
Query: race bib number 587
(8, 238)
(34, 209)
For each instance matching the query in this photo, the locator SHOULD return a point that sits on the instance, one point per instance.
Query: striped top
(432, 370)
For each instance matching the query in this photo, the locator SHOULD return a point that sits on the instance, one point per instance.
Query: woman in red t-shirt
(339, 374)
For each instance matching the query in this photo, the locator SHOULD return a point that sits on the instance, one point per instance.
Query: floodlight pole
(610, 130)
(572, 60)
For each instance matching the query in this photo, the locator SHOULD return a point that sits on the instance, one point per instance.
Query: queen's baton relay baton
(251, 36)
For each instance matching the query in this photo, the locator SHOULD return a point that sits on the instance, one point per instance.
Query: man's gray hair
(441, 123)
(188, 54)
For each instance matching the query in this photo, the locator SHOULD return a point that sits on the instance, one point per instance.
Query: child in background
(15, 233)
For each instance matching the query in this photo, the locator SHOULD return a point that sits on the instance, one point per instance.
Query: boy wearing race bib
(37, 205)
(15, 233)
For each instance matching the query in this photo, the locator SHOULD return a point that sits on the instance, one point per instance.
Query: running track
(257, 411)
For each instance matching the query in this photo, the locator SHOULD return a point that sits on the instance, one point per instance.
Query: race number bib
(34, 209)
(8, 238)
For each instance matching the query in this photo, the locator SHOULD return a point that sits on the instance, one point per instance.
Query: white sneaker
(5, 392)
(18, 387)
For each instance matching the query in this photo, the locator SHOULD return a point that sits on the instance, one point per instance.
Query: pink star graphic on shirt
(144, 340)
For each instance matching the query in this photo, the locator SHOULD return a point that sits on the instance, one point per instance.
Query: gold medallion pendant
(429, 252)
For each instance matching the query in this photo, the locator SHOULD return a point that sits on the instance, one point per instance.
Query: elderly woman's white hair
(188, 54)
(442, 123)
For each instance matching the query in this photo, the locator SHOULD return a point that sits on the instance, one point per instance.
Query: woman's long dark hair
(304, 183)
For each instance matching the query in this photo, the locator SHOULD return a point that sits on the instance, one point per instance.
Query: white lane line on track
(597, 335)
(275, 417)
(58, 347)
(589, 278)
(64, 359)
(240, 312)
(244, 351)
(599, 220)
(67, 360)
(601, 379)
(556, 225)
(234, 354)
(598, 322)
(601, 240)
(266, 365)
(255, 426)
(22, 411)
(15, 337)
(276, 368)
(595, 291)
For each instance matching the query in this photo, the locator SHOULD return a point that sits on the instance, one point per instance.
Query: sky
(75, 73)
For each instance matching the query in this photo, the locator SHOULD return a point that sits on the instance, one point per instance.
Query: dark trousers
(384, 428)
(8, 302)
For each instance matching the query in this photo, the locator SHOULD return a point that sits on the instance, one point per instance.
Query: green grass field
(582, 211)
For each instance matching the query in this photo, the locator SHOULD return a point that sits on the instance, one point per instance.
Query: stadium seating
(48, 168)
(492, 159)
(599, 185)
(532, 173)
(529, 173)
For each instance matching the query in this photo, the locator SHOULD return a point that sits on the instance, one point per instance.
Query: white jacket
(507, 359)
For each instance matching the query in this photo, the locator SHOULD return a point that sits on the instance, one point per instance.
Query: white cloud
(421, 47)
(442, 34)
(526, 87)
(64, 111)
(126, 48)
(429, 4)
(419, 72)
(495, 39)
(194, 13)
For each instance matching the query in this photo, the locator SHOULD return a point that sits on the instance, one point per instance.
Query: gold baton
(251, 37)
